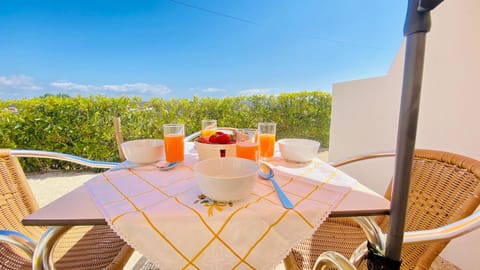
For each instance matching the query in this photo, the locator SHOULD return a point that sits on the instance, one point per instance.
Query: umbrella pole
(407, 128)
(417, 24)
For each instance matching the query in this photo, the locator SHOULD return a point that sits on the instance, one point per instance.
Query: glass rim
(249, 129)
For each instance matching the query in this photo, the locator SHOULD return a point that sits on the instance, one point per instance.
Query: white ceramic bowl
(298, 150)
(206, 151)
(226, 179)
(143, 151)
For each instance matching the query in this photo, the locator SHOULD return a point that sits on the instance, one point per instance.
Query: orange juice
(267, 145)
(209, 128)
(247, 150)
(206, 133)
(173, 147)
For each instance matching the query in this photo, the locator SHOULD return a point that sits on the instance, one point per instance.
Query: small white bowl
(298, 150)
(226, 179)
(143, 151)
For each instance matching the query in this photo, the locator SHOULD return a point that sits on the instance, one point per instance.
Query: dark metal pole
(407, 128)
(417, 24)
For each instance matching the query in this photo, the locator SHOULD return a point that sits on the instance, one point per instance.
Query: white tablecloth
(164, 216)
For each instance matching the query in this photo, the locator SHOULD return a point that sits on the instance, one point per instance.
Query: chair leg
(43, 252)
(121, 259)
(290, 263)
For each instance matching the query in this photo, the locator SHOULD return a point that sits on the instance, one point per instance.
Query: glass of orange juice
(247, 146)
(266, 139)
(209, 128)
(173, 135)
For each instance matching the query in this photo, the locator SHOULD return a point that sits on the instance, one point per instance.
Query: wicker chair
(82, 247)
(445, 188)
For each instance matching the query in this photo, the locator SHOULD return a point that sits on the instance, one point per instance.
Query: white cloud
(71, 86)
(19, 82)
(140, 89)
(254, 91)
(144, 88)
(22, 86)
(213, 90)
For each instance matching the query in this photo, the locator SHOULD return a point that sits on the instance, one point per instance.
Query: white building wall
(365, 112)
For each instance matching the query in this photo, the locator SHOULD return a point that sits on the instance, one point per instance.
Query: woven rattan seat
(82, 247)
(445, 188)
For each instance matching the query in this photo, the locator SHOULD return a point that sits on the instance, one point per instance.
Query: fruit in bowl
(220, 144)
(226, 179)
(218, 138)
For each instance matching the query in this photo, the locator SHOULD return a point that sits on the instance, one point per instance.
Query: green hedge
(83, 125)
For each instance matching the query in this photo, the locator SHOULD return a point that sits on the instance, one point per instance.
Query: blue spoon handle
(285, 201)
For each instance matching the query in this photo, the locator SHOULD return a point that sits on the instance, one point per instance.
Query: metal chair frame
(376, 237)
(41, 253)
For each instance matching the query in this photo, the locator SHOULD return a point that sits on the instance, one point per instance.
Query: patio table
(163, 215)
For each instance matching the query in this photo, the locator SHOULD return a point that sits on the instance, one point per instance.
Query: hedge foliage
(83, 126)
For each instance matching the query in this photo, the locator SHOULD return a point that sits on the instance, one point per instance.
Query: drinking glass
(173, 136)
(209, 128)
(266, 139)
(247, 146)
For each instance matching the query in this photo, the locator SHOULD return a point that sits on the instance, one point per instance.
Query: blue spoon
(167, 166)
(266, 173)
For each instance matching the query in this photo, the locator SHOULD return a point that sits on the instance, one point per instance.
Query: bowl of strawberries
(220, 144)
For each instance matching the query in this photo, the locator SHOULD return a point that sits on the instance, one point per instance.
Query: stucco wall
(365, 112)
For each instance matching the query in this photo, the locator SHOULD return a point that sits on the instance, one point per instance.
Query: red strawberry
(220, 138)
(213, 139)
(223, 139)
(203, 140)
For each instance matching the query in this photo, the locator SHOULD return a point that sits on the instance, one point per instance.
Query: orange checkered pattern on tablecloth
(164, 216)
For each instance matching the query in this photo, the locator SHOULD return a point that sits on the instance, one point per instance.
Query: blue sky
(170, 48)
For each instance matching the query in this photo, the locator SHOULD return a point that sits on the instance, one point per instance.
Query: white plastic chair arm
(360, 157)
(333, 258)
(19, 240)
(446, 232)
(443, 233)
(62, 156)
(192, 137)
